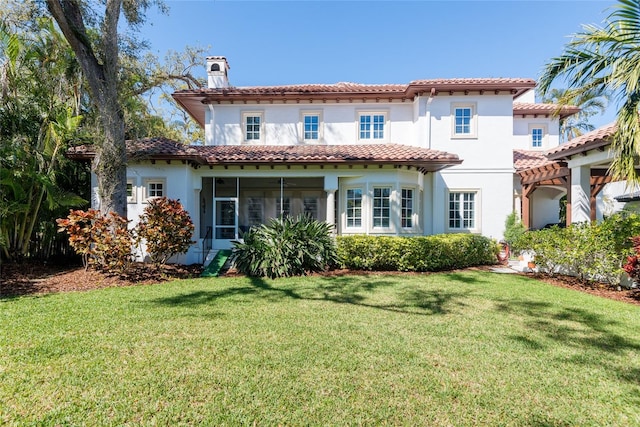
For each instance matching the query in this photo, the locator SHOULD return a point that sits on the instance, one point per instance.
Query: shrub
(104, 242)
(513, 230)
(286, 247)
(420, 253)
(166, 228)
(632, 266)
(589, 251)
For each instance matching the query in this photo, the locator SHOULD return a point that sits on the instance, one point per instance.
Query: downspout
(432, 94)
(428, 115)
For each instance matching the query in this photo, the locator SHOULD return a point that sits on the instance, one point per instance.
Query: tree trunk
(110, 161)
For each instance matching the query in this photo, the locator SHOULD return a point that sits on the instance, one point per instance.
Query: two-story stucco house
(427, 157)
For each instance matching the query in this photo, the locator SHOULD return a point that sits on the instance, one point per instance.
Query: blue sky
(292, 42)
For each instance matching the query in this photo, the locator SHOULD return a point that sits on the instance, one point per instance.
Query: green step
(216, 264)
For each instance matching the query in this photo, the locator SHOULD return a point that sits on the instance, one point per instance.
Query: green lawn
(468, 348)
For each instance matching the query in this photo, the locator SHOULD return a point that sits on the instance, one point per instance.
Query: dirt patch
(37, 278)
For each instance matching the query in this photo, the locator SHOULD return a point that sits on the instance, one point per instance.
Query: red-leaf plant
(632, 267)
(166, 228)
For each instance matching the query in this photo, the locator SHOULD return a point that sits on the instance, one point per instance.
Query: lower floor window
(283, 207)
(462, 210)
(254, 211)
(155, 188)
(310, 206)
(381, 206)
(407, 208)
(354, 207)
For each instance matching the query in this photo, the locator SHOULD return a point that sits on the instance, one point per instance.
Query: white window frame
(477, 203)
(413, 216)
(362, 208)
(473, 120)
(389, 207)
(310, 113)
(245, 134)
(545, 136)
(385, 129)
(154, 181)
(132, 199)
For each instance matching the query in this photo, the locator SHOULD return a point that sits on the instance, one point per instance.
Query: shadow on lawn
(352, 290)
(587, 332)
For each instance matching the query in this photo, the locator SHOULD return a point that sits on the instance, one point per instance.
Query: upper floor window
(462, 210)
(311, 127)
(381, 206)
(253, 126)
(538, 135)
(464, 120)
(371, 126)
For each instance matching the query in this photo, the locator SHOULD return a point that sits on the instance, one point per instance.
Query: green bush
(420, 253)
(589, 251)
(286, 247)
(513, 229)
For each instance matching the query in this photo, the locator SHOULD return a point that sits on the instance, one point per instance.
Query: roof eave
(598, 144)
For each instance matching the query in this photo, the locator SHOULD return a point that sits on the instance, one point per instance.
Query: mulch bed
(36, 278)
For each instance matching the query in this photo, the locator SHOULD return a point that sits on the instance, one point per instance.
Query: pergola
(579, 168)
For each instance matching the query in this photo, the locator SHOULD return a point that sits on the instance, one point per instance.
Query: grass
(463, 348)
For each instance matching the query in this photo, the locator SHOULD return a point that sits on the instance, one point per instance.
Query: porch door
(225, 222)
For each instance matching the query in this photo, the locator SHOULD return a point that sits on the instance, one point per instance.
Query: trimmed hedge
(419, 253)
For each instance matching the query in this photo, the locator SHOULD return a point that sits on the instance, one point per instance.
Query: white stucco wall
(495, 193)
(282, 123)
(178, 180)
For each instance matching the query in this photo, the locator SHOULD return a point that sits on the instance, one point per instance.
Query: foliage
(39, 115)
(166, 229)
(513, 229)
(588, 251)
(632, 266)
(103, 241)
(602, 59)
(422, 253)
(591, 103)
(286, 247)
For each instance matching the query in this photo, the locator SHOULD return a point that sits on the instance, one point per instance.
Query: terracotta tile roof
(369, 154)
(193, 100)
(476, 81)
(594, 139)
(528, 108)
(527, 159)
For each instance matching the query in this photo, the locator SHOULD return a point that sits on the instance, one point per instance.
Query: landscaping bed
(38, 278)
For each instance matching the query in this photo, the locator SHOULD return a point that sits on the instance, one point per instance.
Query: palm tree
(591, 103)
(607, 59)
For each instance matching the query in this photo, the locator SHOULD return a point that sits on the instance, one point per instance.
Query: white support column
(580, 194)
(331, 208)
